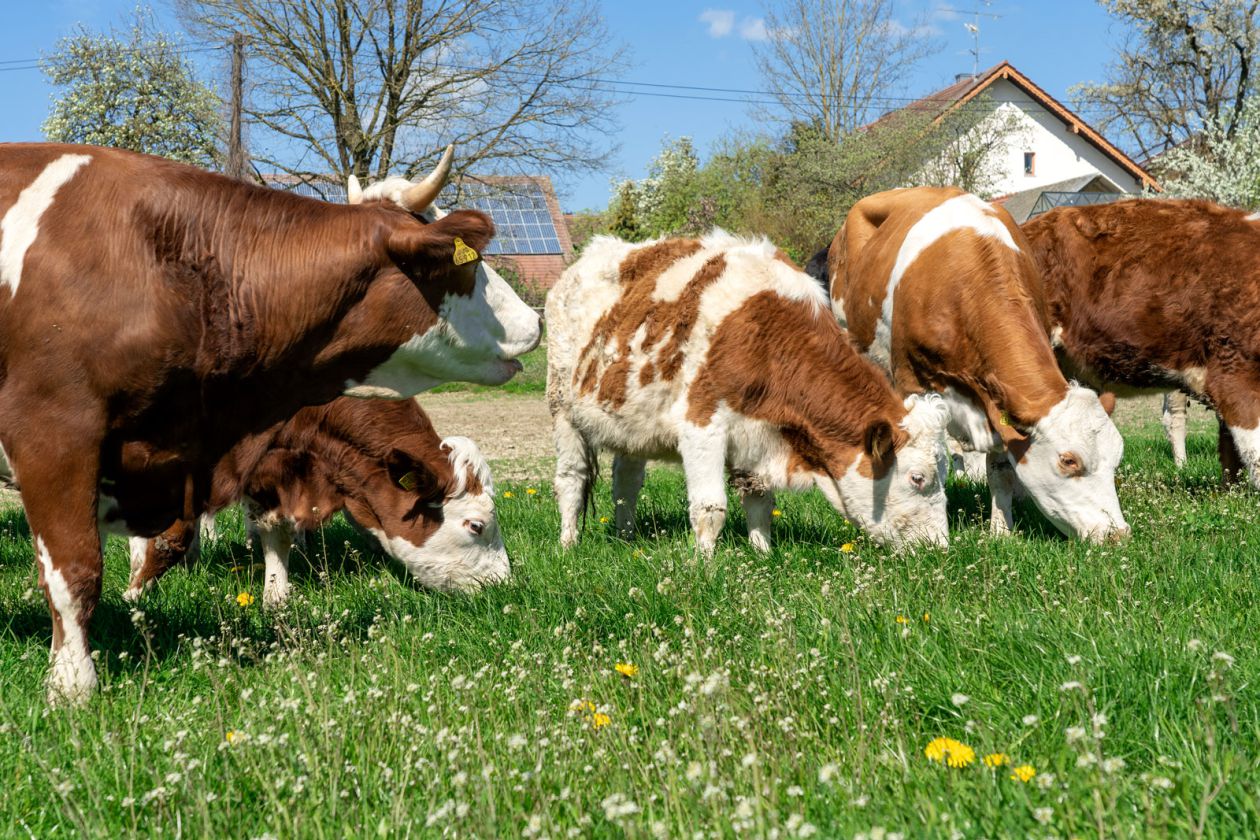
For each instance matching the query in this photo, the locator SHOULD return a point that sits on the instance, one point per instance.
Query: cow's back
(630, 327)
(1142, 289)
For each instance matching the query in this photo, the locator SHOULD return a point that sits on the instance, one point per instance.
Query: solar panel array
(522, 220)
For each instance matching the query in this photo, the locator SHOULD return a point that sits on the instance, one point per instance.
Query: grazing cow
(1151, 295)
(154, 345)
(938, 287)
(719, 351)
(428, 501)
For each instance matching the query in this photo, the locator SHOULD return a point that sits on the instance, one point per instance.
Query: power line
(656, 90)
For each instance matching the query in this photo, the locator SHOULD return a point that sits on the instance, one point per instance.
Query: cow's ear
(406, 473)
(454, 240)
(1108, 400)
(878, 441)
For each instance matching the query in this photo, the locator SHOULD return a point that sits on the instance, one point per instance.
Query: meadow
(626, 688)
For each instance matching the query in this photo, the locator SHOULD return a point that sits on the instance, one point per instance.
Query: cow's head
(437, 520)
(1067, 462)
(900, 500)
(482, 325)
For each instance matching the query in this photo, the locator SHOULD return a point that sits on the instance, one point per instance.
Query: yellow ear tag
(408, 481)
(463, 253)
(1005, 419)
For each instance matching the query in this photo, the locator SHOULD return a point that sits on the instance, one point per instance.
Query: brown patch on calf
(788, 362)
(666, 325)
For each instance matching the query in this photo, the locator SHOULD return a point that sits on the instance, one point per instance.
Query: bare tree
(372, 87)
(1185, 64)
(968, 146)
(827, 62)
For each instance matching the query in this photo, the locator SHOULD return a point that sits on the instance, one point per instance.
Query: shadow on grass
(182, 605)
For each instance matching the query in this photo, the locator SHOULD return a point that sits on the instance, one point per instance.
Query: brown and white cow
(428, 501)
(1150, 295)
(158, 322)
(938, 287)
(720, 352)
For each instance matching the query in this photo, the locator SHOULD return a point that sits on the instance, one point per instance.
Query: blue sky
(681, 42)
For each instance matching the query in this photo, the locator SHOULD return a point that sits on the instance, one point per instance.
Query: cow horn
(354, 192)
(419, 196)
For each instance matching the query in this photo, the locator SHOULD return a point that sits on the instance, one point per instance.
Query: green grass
(774, 694)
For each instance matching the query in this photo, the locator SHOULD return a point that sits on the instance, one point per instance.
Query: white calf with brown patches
(720, 353)
(938, 287)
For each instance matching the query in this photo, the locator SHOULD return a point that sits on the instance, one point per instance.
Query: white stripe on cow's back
(20, 226)
(963, 212)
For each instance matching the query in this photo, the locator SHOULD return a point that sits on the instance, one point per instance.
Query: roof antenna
(974, 29)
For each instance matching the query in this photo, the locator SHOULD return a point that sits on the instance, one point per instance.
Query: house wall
(1060, 153)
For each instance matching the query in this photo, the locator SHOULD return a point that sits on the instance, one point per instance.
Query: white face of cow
(478, 336)
(1069, 468)
(907, 504)
(466, 551)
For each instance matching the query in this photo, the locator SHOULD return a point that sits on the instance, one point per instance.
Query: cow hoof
(71, 681)
(568, 540)
(275, 597)
(760, 543)
(132, 594)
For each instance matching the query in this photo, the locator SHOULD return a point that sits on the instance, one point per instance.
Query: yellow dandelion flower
(927, 616)
(603, 520)
(996, 760)
(232, 736)
(847, 548)
(599, 720)
(950, 752)
(901, 619)
(1023, 772)
(244, 599)
(508, 494)
(579, 706)
(776, 513)
(626, 669)
(530, 491)
(236, 569)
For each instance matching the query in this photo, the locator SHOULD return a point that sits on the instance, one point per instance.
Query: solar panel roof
(522, 220)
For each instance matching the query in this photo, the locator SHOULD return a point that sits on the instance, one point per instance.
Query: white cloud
(753, 29)
(720, 22)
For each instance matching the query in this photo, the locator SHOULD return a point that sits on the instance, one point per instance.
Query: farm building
(531, 240)
(1054, 157)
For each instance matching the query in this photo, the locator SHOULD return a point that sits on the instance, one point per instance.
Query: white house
(1054, 157)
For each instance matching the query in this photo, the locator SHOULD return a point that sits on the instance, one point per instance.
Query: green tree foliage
(797, 189)
(132, 90)
(1221, 164)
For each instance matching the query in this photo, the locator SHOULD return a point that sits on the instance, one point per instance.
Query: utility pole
(236, 163)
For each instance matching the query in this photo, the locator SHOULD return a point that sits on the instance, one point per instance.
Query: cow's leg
(275, 533)
(1236, 396)
(59, 467)
(758, 507)
(150, 559)
(627, 482)
(703, 452)
(209, 530)
(1232, 466)
(1174, 421)
(574, 472)
(1002, 493)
